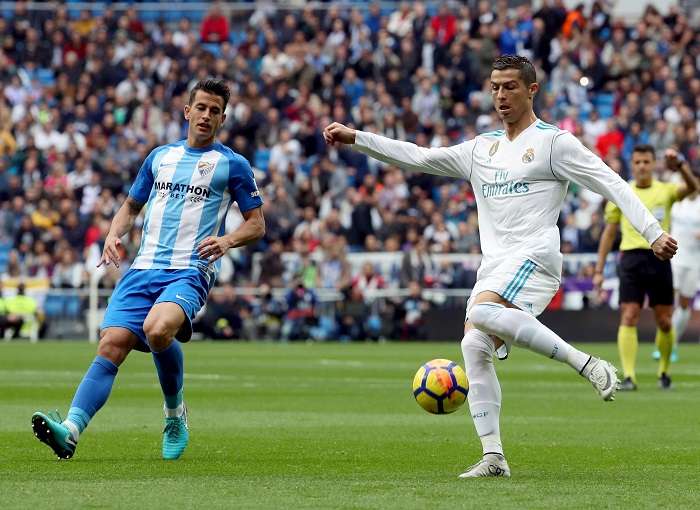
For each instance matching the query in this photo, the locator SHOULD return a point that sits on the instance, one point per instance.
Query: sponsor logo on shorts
(178, 296)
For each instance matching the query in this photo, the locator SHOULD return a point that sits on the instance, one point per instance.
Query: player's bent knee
(158, 334)
(477, 343)
(114, 346)
(630, 316)
(665, 324)
(482, 315)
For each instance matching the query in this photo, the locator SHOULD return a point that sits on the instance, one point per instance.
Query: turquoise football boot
(50, 430)
(674, 355)
(175, 436)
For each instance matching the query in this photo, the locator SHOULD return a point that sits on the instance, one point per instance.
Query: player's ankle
(73, 429)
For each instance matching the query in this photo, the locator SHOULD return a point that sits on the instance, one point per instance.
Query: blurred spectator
(215, 27)
(411, 314)
(368, 281)
(352, 314)
(301, 313)
(23, 310)
(226, 316)
(86, 95)
(9, 321)
(268, 312)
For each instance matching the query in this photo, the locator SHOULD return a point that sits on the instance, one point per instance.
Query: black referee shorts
(642, 274)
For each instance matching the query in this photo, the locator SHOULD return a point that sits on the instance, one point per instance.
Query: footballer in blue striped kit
(187, 188)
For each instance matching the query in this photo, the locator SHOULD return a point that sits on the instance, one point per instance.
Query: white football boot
(492, 464)
(603, 377)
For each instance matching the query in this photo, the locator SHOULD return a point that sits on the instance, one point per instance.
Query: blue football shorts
(140, 289)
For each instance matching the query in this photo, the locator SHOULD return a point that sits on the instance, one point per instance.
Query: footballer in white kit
(685, 225)
(520, 176)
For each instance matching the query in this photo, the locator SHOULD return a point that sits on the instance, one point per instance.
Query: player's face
(511, 97)
(205, 114)
(643, 167)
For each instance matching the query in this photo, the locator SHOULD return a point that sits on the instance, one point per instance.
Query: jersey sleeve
(455, 161)
(141, 188)
(242, 185)
(571, 160)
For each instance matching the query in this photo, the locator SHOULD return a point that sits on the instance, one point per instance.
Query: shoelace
(172, 427)
(55, 416)
(599, 376)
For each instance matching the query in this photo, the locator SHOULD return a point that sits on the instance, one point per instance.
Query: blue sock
(92, 392)
(171, 372)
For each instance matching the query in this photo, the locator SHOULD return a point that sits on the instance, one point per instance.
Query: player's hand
(665, 246)
(674, 159)
(338, 133)
(598, 281)
(213, 248)
(110, 252)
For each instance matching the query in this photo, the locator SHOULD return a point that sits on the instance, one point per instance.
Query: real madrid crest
(529, 156)
(493, 149)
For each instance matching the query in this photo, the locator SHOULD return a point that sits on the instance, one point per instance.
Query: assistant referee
(641, 273)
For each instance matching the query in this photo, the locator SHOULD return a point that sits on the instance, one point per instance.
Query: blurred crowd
(84, 97)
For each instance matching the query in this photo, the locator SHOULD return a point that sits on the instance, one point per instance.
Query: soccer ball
(440, 386)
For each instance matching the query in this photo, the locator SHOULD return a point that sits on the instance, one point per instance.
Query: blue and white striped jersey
(187, 193)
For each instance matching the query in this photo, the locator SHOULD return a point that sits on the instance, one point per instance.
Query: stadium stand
(85, 94)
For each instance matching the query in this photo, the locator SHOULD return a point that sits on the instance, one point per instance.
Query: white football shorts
(519, 281)
(685, 279)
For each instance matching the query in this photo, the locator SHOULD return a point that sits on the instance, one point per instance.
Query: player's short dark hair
(645, 148)
(527, 70)
(212, 86)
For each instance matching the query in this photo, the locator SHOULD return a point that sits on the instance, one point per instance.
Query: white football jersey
(685, 228)
(519, 185)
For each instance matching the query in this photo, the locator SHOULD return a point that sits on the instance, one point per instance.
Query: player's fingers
(108, 255)
(112, 255)
(206, 243)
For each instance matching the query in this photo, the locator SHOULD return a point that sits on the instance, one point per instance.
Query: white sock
(73, 429)
(524, 330)
(175, 413)
(680, 319)
(484, 390)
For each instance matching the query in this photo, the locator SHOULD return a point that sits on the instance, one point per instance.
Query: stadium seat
(45, 76)
(213, 48)
(261, 159)
(53, 306)
(5, 248)
(73, 308)
(605, 104)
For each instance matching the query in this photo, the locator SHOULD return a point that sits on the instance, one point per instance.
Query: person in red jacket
(445, 25)
(215, 26)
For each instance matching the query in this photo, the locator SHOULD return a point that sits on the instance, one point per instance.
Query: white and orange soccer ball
(440, 386)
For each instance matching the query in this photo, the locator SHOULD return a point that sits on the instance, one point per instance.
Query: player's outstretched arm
(251, 230)
(455, 161)
(121, 225)
(572, 161)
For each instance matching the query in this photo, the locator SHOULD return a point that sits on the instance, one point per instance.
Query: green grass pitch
(331, 426)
